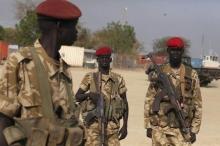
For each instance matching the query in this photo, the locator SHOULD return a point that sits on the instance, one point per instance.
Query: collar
(56, 72)
(41, 51)
(110, 76)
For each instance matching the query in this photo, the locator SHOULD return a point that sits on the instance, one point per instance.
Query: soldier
(37, 107)
(113, 91)
(164, 126)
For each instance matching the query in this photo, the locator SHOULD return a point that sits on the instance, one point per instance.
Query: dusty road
(136, 82)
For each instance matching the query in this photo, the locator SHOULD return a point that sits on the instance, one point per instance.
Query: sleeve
(197, 101)
(9, 87)
(85, 84)
(122, 87)
(147, 105)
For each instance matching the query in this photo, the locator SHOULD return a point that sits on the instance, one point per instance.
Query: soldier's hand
(123, 132)
(149, 68)
(193, 137)
(94, 97)
(149, 133)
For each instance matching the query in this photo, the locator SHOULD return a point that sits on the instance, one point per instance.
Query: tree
(121, 38)
(84, 37)
(27, 29)
(23, 6)
(2, 33)
(159, 45)
(11, 35)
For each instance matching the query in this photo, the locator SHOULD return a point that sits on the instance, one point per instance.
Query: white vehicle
(210, 61)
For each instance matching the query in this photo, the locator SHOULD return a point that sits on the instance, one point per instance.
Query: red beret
(60, 9)
(103, 51)
(175, 42)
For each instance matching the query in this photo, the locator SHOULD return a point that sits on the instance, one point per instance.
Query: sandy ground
(137, 84)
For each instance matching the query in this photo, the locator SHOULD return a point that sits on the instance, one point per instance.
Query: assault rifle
(98, 112)
(167, 88)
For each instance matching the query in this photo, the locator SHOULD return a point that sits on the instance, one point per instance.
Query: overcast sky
(152, 19)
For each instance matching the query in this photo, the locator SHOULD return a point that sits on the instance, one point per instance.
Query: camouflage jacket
(187, 84)
(109, 82)
(19, 88)
(113, 85)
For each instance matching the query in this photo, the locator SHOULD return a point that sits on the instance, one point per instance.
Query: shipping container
(3, 50)
(72, 55)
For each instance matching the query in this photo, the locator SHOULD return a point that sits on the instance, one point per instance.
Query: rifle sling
(44, 87)
(71, 97)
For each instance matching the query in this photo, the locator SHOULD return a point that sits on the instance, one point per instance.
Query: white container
(72, 55)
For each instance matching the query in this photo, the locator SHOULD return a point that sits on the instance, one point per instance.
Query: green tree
(2, 33)
(159, 45)
(11, 35)
(27, 29)
(84, 37)
(121, 37)
(23, 6)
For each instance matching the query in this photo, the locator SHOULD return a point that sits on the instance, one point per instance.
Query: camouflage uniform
(165, 126)
(92, 131)
(19, 88)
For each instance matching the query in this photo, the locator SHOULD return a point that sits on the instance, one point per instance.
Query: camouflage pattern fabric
(189, 88)
(168, 137)
(107, 83)
(19, 88)
(93, 133)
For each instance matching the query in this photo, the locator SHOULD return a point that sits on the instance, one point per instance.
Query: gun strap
(182, 79)
(44, 87)
(96, 82)
(184, 71)
(71, 97)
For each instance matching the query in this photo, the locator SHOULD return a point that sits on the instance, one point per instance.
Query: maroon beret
(60, 9)
(175, 42)
(103, 51)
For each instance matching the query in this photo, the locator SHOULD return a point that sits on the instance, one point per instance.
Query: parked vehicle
(208, 68)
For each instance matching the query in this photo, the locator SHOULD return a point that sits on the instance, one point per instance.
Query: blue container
(196, 62)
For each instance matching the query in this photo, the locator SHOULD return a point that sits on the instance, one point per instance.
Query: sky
(195, 20)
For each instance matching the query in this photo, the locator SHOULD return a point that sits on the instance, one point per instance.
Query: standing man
(163, 126)
(110, 87)
(36, 87)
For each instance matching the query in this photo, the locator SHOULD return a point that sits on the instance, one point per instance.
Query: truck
(208, 68)
(3, 51)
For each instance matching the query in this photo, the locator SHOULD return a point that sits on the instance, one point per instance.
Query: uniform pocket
(13, 134)
(38, 137)
(118, 107)
(30, 107)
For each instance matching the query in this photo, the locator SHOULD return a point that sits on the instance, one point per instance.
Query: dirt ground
(137, 84)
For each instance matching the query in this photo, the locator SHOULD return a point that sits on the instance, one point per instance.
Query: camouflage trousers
(168, 137)
(93, 135)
